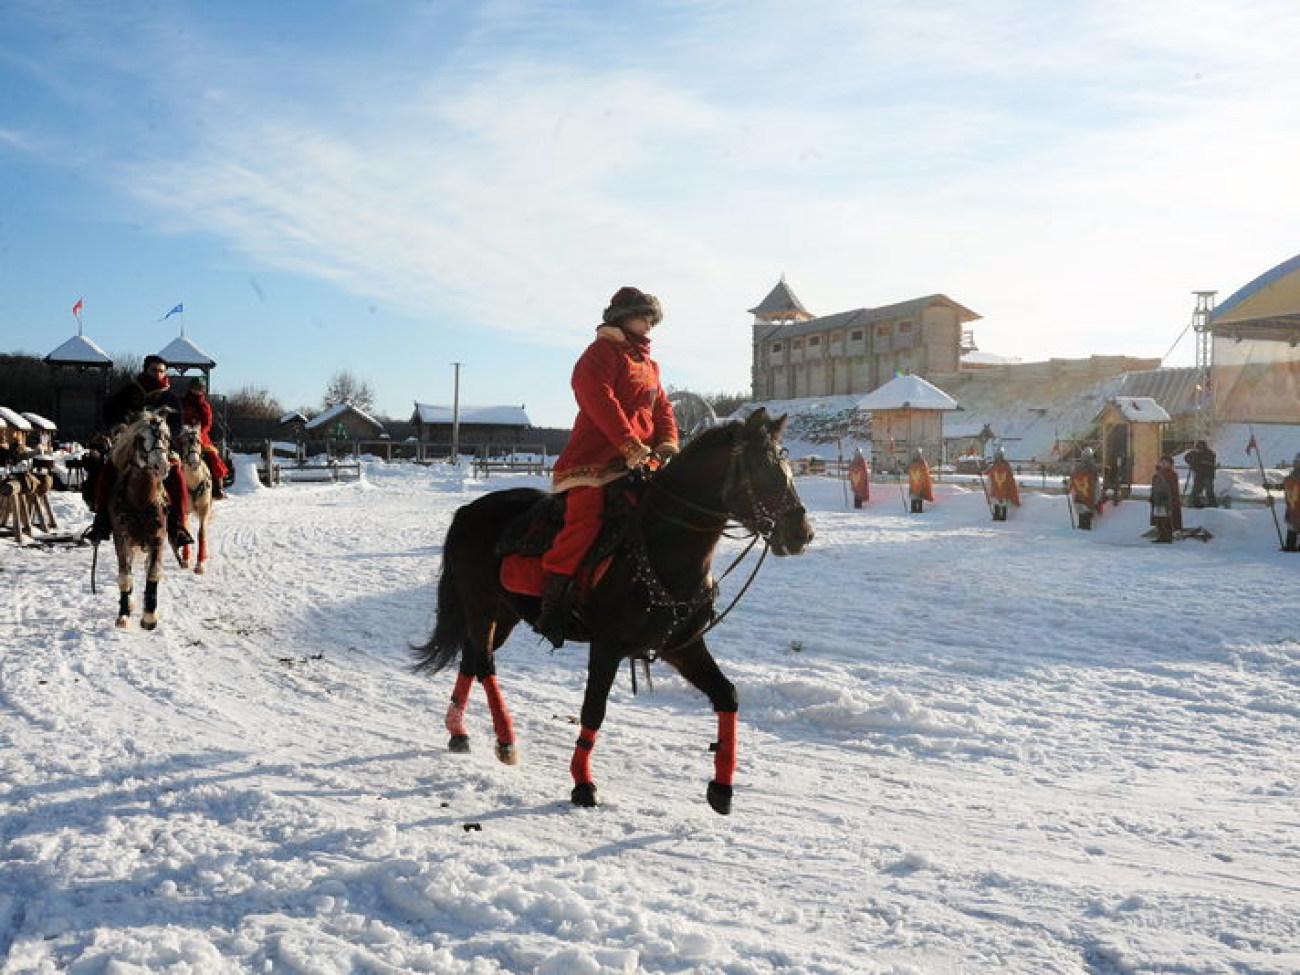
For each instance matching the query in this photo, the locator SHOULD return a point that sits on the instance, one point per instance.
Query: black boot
(101, 529)
(178, 534)
(557, 593)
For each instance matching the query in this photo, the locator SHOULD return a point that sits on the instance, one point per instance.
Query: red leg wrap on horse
(724, 761)
(501, 720)
(459, 700)
(580, 766)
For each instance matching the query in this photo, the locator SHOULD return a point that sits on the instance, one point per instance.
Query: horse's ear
(756, 420)
(776, 428)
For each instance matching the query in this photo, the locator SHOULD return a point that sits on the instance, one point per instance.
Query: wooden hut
(906, 415)
(81, 370)
(343, 422)
(483, 430)
(1132, 440)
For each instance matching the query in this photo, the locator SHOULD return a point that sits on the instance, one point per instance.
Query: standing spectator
(1203, 462)
(1003, 489)
(860, 479)
(1084, 488)
(1291, 493)
(920, 488)
(1166, 501)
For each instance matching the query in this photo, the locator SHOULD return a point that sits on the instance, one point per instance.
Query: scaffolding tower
(1204, 364)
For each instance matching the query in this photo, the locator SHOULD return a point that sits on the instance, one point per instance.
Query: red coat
(621, 408)
(197, 411)
(1002, 483)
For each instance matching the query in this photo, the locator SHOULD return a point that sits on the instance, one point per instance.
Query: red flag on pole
(76, 309)
(1252, 446)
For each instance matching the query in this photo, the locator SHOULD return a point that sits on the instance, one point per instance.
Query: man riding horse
(624, 418)
(151, 390)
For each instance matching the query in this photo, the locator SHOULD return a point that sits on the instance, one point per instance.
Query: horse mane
(725, 434)
(124, 443)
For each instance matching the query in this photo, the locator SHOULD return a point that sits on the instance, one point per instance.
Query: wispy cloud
(1071, 172)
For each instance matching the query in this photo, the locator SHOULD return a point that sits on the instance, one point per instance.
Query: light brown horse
(138, 511)
(198, 482)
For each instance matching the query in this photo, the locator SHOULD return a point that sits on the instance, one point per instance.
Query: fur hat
(629, 302)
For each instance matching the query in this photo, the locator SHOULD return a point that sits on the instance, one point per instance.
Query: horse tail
(451, 630)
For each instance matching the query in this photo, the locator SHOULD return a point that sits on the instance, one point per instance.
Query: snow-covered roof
(183, 352)
(1140, 409)
(509, 416)
(336, 411)
(79, 350)
(293, 416)
(12, 419)
(907, 393)
(39, 422)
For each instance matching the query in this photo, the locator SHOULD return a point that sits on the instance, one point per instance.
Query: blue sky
(390, 187)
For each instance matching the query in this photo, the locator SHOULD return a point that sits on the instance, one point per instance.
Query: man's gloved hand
(666, 451)
(635, 453)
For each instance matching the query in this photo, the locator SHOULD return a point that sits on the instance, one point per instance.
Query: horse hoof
(507, 754)
(458, 744)
(149, 623)
(720, 798)
(584, 795)
(199, 570)
(123, 622)
(185, 563)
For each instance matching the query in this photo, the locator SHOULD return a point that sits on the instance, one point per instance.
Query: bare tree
(344, 387)
(253, 401)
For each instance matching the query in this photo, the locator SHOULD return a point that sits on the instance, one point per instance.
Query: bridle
(760, 522)
(152, 443)
(191, 447)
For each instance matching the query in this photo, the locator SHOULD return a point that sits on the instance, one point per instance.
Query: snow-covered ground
(964, 747)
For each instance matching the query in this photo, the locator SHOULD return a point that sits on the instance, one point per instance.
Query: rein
(760, 524)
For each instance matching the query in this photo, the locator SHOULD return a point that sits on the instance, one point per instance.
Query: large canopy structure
(1256, 358)
(1268, 308)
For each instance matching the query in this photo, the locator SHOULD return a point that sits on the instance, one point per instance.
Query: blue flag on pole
(178, 310)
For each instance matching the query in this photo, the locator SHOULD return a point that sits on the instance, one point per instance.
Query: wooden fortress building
(798, 354)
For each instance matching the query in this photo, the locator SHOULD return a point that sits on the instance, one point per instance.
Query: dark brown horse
(138, 510)
(655, 599)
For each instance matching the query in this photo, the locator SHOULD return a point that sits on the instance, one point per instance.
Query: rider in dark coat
(150, 390)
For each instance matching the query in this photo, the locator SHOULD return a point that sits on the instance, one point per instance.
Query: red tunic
(1291, 492)
(1002, 483)
(1085, 489)
(621, 406)
(918, 480)
(860, 478)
